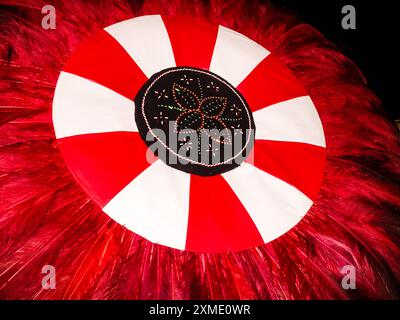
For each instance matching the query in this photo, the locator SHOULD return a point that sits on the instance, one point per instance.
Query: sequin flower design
(197, 113)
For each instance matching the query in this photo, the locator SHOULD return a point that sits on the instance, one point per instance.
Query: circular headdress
(131, 133)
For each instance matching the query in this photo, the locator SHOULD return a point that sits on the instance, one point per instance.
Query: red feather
(47, 219)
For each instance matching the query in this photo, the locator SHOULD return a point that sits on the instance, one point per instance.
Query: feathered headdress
(320, 191)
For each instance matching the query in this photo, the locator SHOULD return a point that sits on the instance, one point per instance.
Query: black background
(373, 46)
(260, 310)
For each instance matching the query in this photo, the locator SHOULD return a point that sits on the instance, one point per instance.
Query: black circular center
(194, 121)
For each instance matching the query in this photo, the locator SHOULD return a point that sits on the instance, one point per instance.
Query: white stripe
(81, 106)
(146, 40)
(155, 205)
(274, 205)
(294, 120)
(235, 56)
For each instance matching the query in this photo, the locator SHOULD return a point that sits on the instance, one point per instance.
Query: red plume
(46, 218)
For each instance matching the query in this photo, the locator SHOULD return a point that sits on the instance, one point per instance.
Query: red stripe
(269, 83)
(299, 164)
(218, 222)
(192, 41)
(104, 163)
(103, 60)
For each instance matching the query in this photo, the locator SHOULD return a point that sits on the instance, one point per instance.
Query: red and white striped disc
(253, 204)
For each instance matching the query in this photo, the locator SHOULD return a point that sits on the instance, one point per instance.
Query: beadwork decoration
(189, 104)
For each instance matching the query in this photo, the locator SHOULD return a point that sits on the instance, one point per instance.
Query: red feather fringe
(47, 219)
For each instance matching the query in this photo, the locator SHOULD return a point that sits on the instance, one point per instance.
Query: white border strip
(81, 106)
